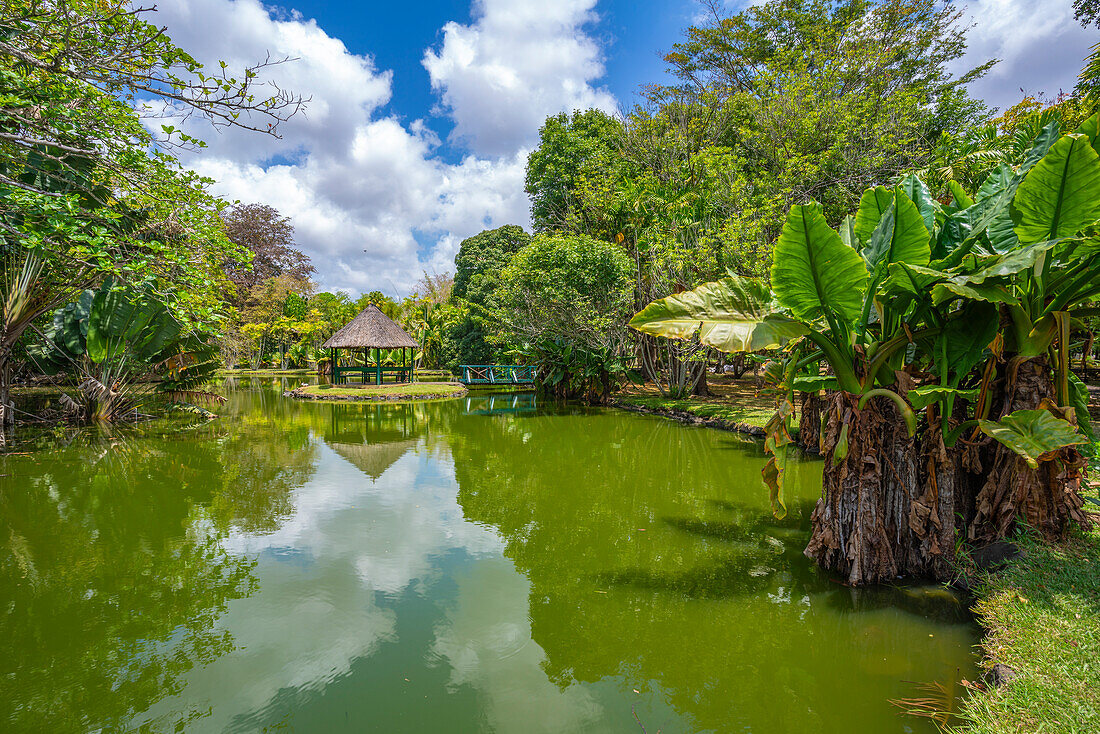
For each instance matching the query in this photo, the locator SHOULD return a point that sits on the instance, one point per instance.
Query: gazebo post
(377, 366)
(404, 377)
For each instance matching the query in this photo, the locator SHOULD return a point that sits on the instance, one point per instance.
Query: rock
(1001, 674)
(995, 554)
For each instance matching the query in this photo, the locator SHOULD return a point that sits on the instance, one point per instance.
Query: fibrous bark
(1047, 498)
(862, 523)
(809, 422)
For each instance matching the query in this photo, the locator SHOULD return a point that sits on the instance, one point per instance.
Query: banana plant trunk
(809, 422)
(1046, 498)
(870, 524)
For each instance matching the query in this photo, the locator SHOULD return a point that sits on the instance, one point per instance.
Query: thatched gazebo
(371, 329)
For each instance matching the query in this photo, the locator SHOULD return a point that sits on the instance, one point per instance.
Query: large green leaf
(813, 270)
(1040, 146)
(923, 396)
(848, 232)
(900, 237)
(732, 315)
(963, 339)
(1032, 433)
(814, 383)
(872, 205)
(1011, 263)
(1059, 196)
(920, 195)
(1079, 399)
(912, 280)
(1090, 128)
(959, 196)
(990, 292)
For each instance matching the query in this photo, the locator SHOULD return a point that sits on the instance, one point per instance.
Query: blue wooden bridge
(497, 374)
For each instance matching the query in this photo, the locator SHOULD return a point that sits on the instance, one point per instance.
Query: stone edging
(685, 417)
(394, 397)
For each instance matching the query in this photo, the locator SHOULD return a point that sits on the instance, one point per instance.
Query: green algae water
(485, 564)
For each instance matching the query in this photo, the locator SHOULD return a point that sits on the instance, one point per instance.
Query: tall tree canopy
(569, 147)
(269, 237)
(826, 97)
(478, 266)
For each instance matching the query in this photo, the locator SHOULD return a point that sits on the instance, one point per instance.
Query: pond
(485, 564)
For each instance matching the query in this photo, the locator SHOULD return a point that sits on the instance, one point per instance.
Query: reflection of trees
(652, 555)
(108, 586)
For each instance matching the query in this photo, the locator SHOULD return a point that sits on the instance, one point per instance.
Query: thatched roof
(371, 329)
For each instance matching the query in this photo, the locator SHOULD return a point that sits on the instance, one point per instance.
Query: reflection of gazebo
(371, 329)
(373, 458)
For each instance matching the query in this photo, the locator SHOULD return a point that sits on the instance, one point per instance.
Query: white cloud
(519, 61)
(1041, 47)
(372, 198)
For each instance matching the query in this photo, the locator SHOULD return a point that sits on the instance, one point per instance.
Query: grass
(384, 392)
(1042, 616)
(734, 401)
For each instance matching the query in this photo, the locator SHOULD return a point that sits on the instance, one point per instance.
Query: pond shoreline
(684, 417)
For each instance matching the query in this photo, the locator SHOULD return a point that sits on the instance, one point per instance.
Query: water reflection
(486, 564)
(111, 577)
(655, 563)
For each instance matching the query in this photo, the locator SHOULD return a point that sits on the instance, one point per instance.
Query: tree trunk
(7, 405)
(809, 422)
(701, 389)
(863, 524)
(1047, 498)
(740, 365)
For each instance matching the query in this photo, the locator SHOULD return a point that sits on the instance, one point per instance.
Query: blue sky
(422, 113)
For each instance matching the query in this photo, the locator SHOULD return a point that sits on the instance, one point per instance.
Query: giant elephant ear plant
(115, 342)
(956, 312)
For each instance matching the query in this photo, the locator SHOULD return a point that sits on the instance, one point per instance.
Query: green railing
(497, 374)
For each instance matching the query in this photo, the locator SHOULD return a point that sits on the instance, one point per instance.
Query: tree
(88, 190)
(478, 265)
(570, 146)
(823, 99)
(565, 299)
(269, 237)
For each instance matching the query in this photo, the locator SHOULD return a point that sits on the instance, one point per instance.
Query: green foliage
(478, 266)
(566, 287)
(112, 339)
(91, 192)
(1032, 433)
(566, 298)
(815, 274)
(829, 97)
(1057, 197)
(571, 147)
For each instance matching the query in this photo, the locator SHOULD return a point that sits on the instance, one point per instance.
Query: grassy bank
(405, 391)
(1042, 620)
(731, 401)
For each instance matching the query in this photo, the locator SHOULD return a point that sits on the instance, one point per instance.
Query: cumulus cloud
(375, 198)
(520, 59)
(1041, 47)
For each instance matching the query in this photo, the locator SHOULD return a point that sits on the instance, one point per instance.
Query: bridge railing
(498, 374)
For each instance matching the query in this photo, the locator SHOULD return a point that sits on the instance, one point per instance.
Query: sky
(421, 114)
